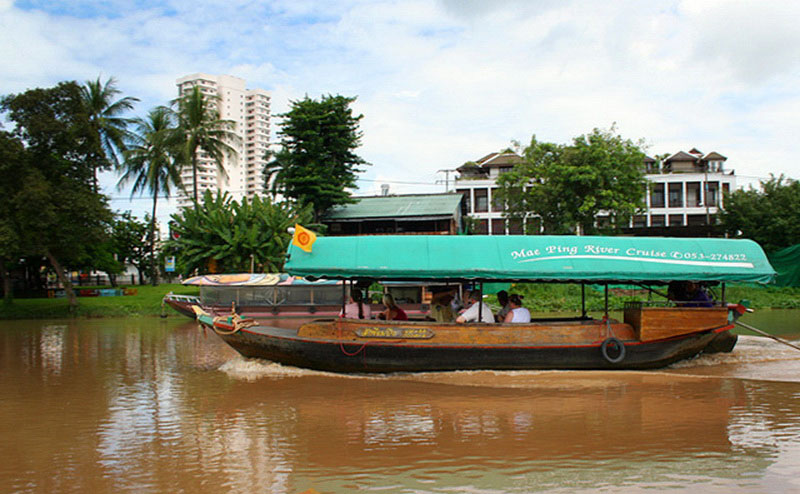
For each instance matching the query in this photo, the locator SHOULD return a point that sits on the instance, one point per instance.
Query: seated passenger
(502, 299)
(392, 312)
(441, 309)
(518, 313)
(697, 296)
(477, 308)
(356, 308)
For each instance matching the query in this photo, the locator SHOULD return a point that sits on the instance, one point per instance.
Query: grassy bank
(541, 297)
(147, 302)
(557, 297)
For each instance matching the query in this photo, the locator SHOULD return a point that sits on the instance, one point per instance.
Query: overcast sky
(443, 82)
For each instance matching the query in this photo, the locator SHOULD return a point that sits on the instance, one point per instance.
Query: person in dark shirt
(392, 312)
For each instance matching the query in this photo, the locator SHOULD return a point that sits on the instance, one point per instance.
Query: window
(481, 200)
(515, 227)
(466, 204)
(658, 220)
(639, 221)
(657, 196)
(483, 227)
(498, 226)
(693, 197)
(713, 189)
(675, 196)
(695, 219)
(676, 220)
(497, 204)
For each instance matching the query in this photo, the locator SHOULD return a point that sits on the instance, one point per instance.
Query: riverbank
(146, 302)
(558, 298)
(540, 297)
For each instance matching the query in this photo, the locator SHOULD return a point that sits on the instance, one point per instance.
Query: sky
(442, 82)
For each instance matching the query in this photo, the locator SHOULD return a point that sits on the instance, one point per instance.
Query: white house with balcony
(684, 190)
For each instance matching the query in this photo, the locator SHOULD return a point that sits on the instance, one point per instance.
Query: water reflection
(149, 406)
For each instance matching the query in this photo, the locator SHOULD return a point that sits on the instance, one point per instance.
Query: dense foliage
(222, 235)
(567, 186)
(316, 163)
(51, 206)
(770, 216)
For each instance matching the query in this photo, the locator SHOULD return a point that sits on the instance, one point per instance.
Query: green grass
(147, 302)
(558, 298)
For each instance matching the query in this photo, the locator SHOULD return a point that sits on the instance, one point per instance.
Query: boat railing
(639, 304)
(182, 298)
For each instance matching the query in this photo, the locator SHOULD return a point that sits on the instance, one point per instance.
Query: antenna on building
(384, 189)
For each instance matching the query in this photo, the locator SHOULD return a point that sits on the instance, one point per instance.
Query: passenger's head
(474, 295)
(515, 300)
(502, 297)
(388, 301)
(356, 295)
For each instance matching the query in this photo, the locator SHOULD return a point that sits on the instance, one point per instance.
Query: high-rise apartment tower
(250, 109)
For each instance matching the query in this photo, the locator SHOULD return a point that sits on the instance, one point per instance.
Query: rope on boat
(764, 333)
(341, 345)
(235, 320)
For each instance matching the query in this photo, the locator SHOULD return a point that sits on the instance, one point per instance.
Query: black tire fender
(614, 343)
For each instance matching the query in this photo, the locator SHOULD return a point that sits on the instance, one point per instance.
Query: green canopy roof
(532, 258)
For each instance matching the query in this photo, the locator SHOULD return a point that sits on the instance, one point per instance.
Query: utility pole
(446, 178)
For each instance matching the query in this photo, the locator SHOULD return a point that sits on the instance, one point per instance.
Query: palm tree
(201, 128)
(153, 162)
(104, 116)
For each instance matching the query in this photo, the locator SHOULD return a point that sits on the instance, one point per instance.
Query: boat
(279, 296)
(649, 335)
(260, 295)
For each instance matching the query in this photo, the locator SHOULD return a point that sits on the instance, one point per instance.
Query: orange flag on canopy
(303, 238)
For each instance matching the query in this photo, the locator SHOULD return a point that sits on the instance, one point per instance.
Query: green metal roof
(532, 258)
(398, 207)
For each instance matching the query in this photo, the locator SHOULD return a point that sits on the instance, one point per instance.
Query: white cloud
(443, 83)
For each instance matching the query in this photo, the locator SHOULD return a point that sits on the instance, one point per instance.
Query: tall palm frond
(153, 161)
(105, 117)
(201, 128)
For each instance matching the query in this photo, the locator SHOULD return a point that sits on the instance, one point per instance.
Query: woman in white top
(356, 308)
(518, 313)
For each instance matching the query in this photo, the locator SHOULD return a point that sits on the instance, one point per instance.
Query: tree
(568, 186)
(221, 235)
(770, 216)
(12, 158)
(104, 114)
(152, 162)
(56, 211)
(128, 241)
(316, 163)
(201, 128)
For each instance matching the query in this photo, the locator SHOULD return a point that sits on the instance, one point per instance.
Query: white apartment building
(684, 190)
(250, 110)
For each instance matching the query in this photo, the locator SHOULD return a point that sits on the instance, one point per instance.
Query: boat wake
(252, 369)
(753, 358)
(748, 350)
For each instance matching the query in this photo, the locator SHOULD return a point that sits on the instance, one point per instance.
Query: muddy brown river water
(151, 406)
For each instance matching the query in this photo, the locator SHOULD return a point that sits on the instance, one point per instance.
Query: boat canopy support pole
(480, 302)
(344, 294)
(606, 294)
(583, 300)
(723, 294)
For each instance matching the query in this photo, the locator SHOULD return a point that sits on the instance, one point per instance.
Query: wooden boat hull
(181, 305)
(559, 347)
